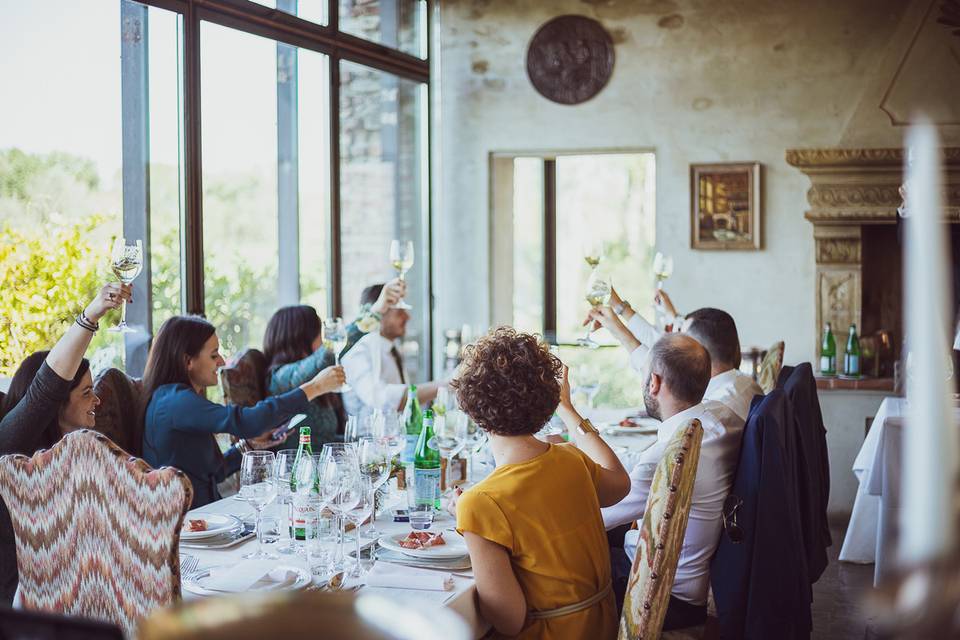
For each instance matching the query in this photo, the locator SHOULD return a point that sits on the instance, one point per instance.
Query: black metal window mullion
(336, 255)
(192, 231)
(550, 250)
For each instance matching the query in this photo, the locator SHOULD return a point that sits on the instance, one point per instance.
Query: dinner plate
(217, 524)
(455, 546)
(302, 580)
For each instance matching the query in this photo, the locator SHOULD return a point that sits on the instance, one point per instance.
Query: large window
(205, 130)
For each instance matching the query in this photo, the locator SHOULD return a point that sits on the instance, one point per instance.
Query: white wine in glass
(662, 268)
(401, 258)
(599, 289)
(593, 253)
(126, 261)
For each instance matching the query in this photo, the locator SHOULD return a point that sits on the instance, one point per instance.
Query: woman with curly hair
(533, 527)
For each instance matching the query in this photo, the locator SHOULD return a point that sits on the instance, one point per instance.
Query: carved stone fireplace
(853, 198)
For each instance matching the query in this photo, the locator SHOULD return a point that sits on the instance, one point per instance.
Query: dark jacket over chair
(761, 585)
(813, 470)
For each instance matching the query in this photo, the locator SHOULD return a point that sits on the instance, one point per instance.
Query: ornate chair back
(662, 530)
(243, 380)
(120, 416)
(770, 368)
(97, 530)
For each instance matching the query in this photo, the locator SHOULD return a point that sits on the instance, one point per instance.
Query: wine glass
(389, 429)
(126, 261)
(257, 487)
(598, 295)
(338, 463)
(662, 268)
(450, 433)
(284, 480)
(375, 460)
(335, 332)
(592, 252)
(359, 493)
(401, 258)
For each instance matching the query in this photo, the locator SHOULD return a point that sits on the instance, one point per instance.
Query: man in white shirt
(374, 365)
(676, 373)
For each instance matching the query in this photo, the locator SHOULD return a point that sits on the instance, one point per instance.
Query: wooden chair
(97, 530)
(662, 530)
(770, 367)
(243, 381)
(119, 416)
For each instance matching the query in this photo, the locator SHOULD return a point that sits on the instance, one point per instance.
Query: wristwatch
(586, 427)
(620, 308)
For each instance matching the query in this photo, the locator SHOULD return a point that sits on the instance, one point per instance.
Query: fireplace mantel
(851, 189)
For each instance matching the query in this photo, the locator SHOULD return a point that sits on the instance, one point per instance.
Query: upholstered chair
(770, 368)
(661, 536)
(97, 530)
(120, 414)
(243, 380)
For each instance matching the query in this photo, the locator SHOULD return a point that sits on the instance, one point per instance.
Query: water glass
(257, 487)
(270, 529)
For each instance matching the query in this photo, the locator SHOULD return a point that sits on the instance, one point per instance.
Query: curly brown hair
(508, 382)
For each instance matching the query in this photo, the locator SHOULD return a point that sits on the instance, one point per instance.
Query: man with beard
(676, 373)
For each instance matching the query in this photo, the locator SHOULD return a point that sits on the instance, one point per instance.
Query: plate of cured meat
(426, 544)
(206, 525)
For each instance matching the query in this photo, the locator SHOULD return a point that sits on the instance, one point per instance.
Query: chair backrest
(120, 416)
(243, 380)
(661, 536)
(97, 530)
(770, 368)
(17, 623)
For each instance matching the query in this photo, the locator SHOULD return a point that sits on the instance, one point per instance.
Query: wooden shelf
(863, 384)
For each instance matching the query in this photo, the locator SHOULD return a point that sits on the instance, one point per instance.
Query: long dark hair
(21, 382)
(178, 338)
(290, 335)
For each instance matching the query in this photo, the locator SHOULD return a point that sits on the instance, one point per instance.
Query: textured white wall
(738, 80)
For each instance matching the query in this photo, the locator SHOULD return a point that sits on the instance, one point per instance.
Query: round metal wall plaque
(570, 59)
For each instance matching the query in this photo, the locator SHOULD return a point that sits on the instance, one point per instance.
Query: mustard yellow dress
(545, 512)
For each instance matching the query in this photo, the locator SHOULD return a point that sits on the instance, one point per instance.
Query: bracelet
(84, 322)
(620, 308)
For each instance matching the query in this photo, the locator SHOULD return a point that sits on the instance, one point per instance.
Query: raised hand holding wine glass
(126, 260)
(401, 258)
(335, 334)
(257, 487)
(598, 295)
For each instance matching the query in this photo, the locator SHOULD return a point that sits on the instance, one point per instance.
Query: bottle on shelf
(851, 358)
(426, 465)
(828, 353)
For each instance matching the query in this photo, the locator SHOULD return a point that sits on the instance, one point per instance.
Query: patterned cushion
(243, 380)
(770, 368)
(661, 536)
(97, 530)
(119, 414)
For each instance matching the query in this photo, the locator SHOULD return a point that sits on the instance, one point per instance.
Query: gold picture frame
(725, 206)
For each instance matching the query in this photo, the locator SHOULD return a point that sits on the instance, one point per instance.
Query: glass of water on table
(421, 514)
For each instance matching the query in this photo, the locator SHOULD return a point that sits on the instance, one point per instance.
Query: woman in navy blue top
(180, 423)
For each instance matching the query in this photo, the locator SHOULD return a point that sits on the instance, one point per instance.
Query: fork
(188, 564)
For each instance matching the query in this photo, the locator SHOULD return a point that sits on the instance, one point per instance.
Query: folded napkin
(244, 575)
(397, 577)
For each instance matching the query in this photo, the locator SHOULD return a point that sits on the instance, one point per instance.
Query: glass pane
(166, 161)
(605, 374)
(528, 244)
(239, 102)
(312, 10)
(607, 198)
(60, 170)
(382, 190)
(400, 24)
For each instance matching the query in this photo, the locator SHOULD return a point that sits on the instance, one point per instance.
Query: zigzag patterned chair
(97, 530)
(770, 367)
(661, 536)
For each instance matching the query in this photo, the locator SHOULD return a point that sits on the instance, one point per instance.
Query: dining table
(461, 593)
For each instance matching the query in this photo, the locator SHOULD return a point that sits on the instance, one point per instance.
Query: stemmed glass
(282, 478)
(339, 470)
(662, 268)
(375, 457)
(335, 332)
(450, 431)
(592, 252)
(257, 487)
(361, 496)
(401, 258)
(126, 261)
(598, 294)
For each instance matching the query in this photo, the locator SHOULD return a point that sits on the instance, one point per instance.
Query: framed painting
(725, 206)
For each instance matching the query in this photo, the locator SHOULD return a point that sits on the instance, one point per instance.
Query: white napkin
(394, 576)
(242, 576)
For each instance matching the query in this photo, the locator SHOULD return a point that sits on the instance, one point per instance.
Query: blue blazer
(180, 424)
(761, 585)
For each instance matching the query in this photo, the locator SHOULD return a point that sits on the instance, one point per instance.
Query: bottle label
(410, 450)
(827, 364)
(851, 365)
(304, 515)
(426, 486)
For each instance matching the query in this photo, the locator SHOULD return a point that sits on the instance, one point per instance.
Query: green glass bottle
(851, 358)
(828, 353)
(414, 425)
(426, 465)
(303, 511)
